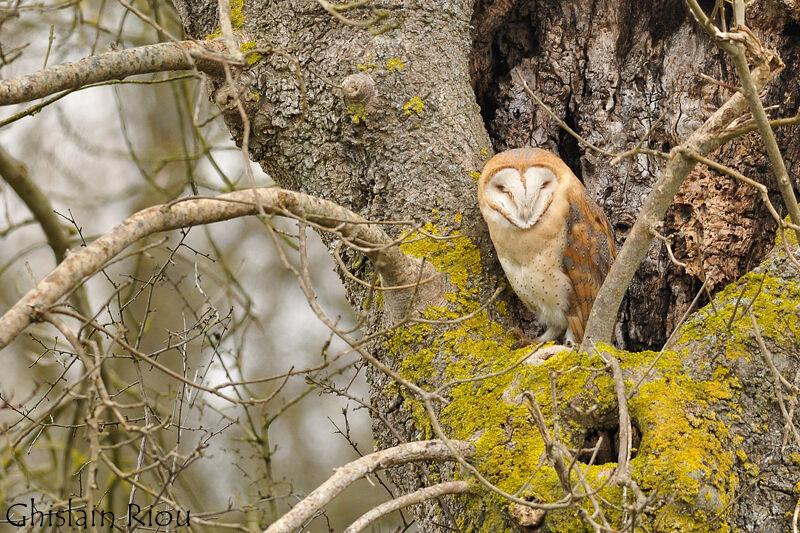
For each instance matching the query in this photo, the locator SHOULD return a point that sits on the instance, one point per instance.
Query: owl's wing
(587, 257)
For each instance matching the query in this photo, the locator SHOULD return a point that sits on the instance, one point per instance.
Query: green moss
(687, 453)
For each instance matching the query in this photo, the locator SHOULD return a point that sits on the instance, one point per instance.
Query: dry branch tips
(394, 267)
(416, 497)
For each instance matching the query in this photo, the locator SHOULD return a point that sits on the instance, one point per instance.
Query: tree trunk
(412, 152)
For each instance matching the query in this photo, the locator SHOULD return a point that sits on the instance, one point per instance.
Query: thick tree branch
(416, 497)
(428, 450)
(680, 162)
(394, 267)
(115, 65)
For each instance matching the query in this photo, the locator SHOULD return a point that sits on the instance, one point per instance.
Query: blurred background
(215, 304)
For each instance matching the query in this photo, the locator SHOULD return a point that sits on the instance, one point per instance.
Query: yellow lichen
(742, 455)
(357, 113)
(253, 57)
(687, 452)
(367, 66)
(773, 308)
(791, 236)
(237, 15)
(237, 19)
(394, 64)
(415, 105)
(475, 175)
(455, 255)
(752, 469)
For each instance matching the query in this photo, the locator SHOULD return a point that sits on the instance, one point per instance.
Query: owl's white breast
(533, 262)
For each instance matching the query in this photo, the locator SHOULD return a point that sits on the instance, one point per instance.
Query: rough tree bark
(610, 70)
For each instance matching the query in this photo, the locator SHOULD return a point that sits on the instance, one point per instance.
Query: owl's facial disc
(522, 199)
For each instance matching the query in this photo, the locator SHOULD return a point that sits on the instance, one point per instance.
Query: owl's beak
(526, 213)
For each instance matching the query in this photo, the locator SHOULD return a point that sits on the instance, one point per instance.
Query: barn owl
(553, 241)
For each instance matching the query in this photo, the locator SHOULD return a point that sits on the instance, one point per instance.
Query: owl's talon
(523, 340)
(524, 343)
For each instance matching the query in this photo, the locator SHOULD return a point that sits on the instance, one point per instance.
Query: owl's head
(518, 185)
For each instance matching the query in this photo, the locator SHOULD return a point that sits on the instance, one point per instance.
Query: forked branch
(410, 452)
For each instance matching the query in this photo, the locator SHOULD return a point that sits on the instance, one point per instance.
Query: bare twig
(395, 267)
(778, 379)
(767, 135)
(416, 497)
(558, 120)
(411, 452)
(668, 243)
(625, 431)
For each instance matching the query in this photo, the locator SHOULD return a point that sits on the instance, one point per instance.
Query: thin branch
(558, 120)
(778, 379)
(224, 10)
(767, 135)
(16, 175)
(672, 335)
(416, 497)
(625, 432)
(411, 452)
